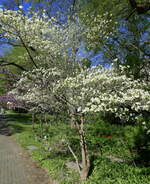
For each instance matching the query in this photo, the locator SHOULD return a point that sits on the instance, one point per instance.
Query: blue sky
(3, 49)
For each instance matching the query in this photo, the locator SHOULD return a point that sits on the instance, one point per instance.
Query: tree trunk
(84, 151)
(72, 121)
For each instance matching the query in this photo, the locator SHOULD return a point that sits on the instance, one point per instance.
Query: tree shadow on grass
(4, 129)
(92, 159)
(20, 118)
(56, 154)
(14, 123)
(143, 159)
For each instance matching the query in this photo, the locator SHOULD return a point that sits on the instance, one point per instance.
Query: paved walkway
(11, 168)
(16, 166)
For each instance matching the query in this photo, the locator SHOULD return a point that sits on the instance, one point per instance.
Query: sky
(3, 48)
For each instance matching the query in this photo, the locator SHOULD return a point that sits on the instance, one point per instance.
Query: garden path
(16, 166)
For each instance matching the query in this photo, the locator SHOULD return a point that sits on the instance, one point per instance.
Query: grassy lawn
(112, 160)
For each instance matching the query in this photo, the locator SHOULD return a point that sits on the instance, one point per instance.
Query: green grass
(106, 172)
(104, 139)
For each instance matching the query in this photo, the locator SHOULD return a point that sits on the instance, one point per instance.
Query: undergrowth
(114, 157)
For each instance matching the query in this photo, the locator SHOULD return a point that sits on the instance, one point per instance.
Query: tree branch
(28, 51)
(5, 63)
(75, 157)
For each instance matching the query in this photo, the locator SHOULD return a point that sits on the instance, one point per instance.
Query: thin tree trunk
(84, 151)
(72, 121)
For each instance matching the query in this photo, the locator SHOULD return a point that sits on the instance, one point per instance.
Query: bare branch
(28, 51)
(5, 63)
(75, 157)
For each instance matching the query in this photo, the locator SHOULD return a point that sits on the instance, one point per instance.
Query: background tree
(130, 42)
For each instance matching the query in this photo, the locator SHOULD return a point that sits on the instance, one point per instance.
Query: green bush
(130, 132)
(142, 144)
(101, 133)
(106, 172)
(138, 140)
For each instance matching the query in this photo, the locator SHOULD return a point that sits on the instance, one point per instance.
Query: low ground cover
(114, 156)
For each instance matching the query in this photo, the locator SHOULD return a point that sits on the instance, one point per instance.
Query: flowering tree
(45, 39)
(58, 80)
(102, 90)
(9, 101)
(46, 43)
(92, 90)
(35, 89)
